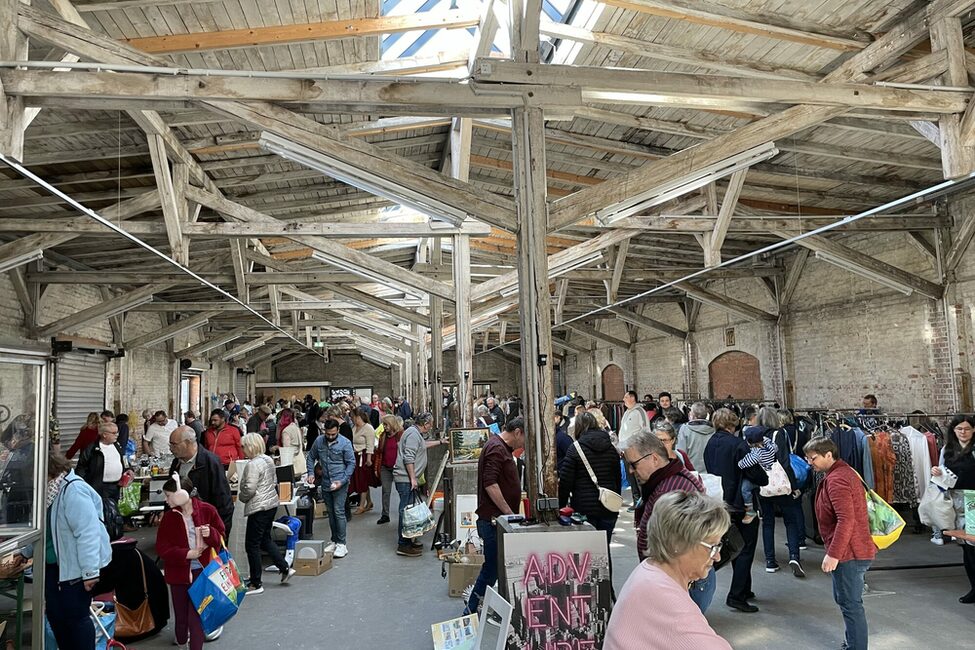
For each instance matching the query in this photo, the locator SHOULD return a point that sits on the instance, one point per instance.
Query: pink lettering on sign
(535, 606)
(559, 606)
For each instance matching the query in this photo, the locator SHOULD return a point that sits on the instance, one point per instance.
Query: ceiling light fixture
(685, 184)
(387, 188)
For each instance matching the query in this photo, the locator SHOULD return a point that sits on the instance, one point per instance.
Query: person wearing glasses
(841, 511)
(647, 457)
(683, 542)
(203, 468)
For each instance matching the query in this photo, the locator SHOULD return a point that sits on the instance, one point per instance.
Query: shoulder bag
(609, 499)
(778, 482)
(132, 623)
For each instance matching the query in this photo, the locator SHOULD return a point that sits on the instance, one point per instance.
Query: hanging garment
(920, 456)
(850, 451)
(882, 455)
(863, 449)
(905, 481)
(932, 447)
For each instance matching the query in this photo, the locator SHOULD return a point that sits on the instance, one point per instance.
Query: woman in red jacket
(189, 529)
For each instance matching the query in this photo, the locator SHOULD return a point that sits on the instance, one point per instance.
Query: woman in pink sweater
(683, 541)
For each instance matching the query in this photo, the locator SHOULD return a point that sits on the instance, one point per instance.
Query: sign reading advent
(558, 582)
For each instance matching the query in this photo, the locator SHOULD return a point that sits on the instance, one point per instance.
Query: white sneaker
(253, 591)
(330, 548)
(938, 540)
(213, 636)
(287, 575)
(341, 550)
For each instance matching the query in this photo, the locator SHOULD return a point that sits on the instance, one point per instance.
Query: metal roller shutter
(240, 387)
(79, 390)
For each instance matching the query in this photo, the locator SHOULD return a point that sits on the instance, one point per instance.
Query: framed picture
(466, 444)
(465, 516)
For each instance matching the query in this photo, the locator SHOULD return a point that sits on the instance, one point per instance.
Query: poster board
(335, 394)
(465, 517)
(466, 444)
(558, 582)
(455, 634)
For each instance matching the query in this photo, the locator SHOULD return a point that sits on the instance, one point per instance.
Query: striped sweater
(682, 480)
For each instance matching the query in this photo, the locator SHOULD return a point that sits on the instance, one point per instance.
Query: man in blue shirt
(337, 459)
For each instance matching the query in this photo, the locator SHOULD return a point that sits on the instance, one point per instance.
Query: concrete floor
(380, 600)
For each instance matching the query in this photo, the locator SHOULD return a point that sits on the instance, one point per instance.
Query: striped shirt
(764, 456)
(684, 481)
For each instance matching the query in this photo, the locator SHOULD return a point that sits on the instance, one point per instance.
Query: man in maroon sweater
(841, 510)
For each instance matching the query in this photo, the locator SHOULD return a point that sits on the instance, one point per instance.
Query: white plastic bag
(417, 518)
(936, 509)
(712, 485)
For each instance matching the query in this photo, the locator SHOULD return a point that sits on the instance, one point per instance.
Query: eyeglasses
(810, 459)
(714, 549)
(636, 462)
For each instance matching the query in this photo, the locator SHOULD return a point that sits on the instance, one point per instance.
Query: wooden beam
(701, 12)
(627, 85)
(561, 292)
(166, 333)
(957, 158)
(672, 54)
(327, 247)
(302, 33)
(13, 47)
(891, 45)
(579, 251)
(721, 224)
(178, 243)
(16, 276)
(383, 306)
(920, 242)
(240, 267)
(596, 335)
(115, 5)
(215, 342)
(639, 320)
(619, 263)
(855, 258)
(960, 243)
(792, 278)
(99, 311)
(244, 348)
(725, 303)
(750, 224)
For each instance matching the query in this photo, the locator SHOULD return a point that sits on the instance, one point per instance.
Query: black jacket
(498, 415)
(91, 465)
(210, 481)
(576, 487)
(721, 457)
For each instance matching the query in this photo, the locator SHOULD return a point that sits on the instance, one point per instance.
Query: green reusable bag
(129, 500)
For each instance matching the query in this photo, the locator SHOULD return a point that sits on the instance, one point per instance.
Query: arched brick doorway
(613, 387)
(736, 374)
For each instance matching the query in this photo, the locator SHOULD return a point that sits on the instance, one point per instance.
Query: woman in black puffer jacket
(576, 487)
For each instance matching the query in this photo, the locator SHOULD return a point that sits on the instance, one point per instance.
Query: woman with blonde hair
(385, 459)
(363, 443)
(87, 435)
(290, 437)
(259, 491)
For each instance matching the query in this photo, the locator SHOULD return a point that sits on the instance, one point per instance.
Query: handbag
(936, 509)
(112, 519)
(218, 591)
(609, 499)
(132, 623)
(128, 503)
(417, 517)
(732, 544)
(886, 524)
(778, 482)
(800, 468)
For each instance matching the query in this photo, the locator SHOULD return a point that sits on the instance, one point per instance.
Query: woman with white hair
(259, 491)
(683, 541)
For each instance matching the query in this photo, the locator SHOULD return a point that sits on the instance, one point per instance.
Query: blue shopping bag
(101, 642)
(218, 591)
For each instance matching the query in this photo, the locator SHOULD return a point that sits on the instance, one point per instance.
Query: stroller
(104, 630)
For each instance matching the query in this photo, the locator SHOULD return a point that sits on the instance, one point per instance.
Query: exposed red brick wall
(613, 387)
(736, 374)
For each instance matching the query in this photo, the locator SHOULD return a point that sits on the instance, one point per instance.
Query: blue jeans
(489, 570)
(335, 502)
(791, 515)
(405, 493)
(748, 494)
(848, 594)
(702, 591)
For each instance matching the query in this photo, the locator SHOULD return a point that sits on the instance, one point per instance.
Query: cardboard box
(310, 549)
(320, 510)
(309, 567)
(284, 491)
(461, 575)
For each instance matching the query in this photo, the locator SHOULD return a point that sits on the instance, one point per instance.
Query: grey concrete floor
(380, 600)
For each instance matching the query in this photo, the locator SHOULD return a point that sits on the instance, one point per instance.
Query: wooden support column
(436, 343)
(528, 147)
(957, 159)
(460, 168)
(13, 47)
